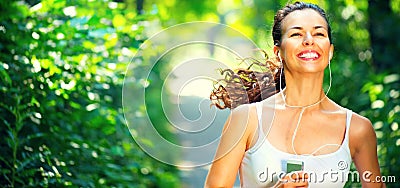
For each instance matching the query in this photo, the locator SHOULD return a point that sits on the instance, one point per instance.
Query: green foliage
(62, 66)
(383, 91)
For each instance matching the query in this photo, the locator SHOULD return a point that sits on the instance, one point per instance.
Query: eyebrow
(301, 28)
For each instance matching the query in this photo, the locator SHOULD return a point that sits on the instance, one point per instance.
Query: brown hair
(247, 86)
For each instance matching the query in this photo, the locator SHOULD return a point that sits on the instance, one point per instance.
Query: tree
(383, 25)
(62, 68)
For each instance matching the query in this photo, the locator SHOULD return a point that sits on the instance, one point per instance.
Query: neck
(303, 90)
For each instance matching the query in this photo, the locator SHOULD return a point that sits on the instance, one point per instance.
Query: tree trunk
(139, 6)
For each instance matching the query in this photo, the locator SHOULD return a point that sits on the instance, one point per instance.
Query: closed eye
(320, 34)
(295, 34)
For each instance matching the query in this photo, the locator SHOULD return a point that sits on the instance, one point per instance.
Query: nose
(308, 39)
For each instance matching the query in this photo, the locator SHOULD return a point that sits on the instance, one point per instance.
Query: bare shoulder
(242, 114)
(243, 120)
(361, 132)
(243, 110)
(232, 147)
(361, 126)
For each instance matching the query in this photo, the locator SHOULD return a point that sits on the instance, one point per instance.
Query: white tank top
(263, 164)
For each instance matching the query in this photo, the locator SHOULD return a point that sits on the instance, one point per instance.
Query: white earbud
(279, 56)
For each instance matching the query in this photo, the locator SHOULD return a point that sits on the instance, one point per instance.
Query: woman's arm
(232, 146)
(363, 147)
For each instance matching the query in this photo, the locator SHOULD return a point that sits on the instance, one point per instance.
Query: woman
(299, 126)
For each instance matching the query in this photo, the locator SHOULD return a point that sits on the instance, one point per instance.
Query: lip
(299, 55)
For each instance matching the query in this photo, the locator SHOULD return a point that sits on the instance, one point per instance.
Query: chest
(307, 133)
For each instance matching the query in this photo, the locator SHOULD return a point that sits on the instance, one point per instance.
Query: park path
(213, 121)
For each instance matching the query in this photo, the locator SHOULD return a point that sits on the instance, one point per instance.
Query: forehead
(303, 18)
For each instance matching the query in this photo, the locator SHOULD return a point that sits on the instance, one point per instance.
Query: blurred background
(62, 67)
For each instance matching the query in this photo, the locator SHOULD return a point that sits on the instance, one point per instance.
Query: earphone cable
(303, 107)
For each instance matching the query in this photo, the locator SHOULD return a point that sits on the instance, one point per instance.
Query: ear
(277, 52)
(331, 49)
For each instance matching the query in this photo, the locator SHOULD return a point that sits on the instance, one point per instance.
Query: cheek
(327, 47)
(288, 50)
(325, 44)
(287, 45)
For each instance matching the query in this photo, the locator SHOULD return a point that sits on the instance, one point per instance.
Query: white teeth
(309, 55)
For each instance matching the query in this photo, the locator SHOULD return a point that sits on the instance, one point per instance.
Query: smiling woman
(291, 124)
(307, 44)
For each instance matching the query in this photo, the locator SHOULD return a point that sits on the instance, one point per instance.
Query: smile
(308, 55)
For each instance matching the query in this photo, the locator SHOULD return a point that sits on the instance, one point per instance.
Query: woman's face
(305, 45)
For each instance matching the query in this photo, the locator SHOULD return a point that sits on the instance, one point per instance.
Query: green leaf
(4, 76)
